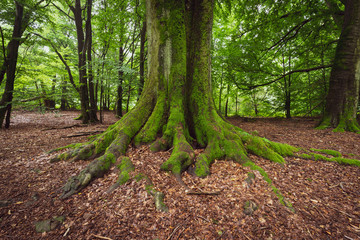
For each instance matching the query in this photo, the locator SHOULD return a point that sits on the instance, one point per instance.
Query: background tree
(343, 96)
(25, 13)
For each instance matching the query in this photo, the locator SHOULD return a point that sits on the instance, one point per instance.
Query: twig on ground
(66, 232)
(101, 237)
(80, 134)
(56, 128)
(174, 231)
(203, 219)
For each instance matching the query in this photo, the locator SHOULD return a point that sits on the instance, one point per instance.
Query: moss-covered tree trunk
(343, 96)
(176, 109)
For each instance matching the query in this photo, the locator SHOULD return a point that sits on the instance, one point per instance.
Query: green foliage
(263, 42)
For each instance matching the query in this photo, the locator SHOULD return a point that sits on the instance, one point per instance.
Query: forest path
(326, 195)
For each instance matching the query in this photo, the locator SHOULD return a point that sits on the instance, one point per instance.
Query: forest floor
(325, 195)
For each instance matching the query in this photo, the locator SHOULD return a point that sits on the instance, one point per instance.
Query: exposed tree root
(329, 155)
(222, 141)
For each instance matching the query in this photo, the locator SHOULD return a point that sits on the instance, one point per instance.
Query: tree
(343, 95)
(84, 46)
(20, 23)
(176, 104)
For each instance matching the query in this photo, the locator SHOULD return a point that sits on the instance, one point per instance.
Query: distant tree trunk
(142, 57)
(288, 92)
(12, 56)
(221, 88)
(227, 101)
(120, 87)
(63, 101)
(4, 65)
(343, 96)
(236, 105)
(81, 50)
(38, 93)
(49, 102)
(93, 104)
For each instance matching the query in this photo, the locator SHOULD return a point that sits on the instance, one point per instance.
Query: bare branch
(281, 77)
(62, 11)
(297, 28)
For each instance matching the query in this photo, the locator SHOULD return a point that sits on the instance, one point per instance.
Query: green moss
(347, 161)
(328, 152)
(104, 141)
(202, 166)
(263, 148)
(325, 122)
(306, 156)
(314, 156)
(106, 161)
(340, 160)
(73, 145)
(125, 168)
(282, 148)
(154, 124)
(139, 177)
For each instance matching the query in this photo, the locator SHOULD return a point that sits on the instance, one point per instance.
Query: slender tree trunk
(81, 50)
(5, 64)
(343, 96)
(236, 105)
(12, 56)
(221, 88)
(93, 104)
(63, 96)
(142, 58)
(288, 93)
(120, 87)
(227, 101)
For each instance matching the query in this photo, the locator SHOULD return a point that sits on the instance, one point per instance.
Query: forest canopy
(269, 58)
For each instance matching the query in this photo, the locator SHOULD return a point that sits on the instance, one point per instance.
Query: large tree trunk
(12, 56)
(343, 95)
(176, 104)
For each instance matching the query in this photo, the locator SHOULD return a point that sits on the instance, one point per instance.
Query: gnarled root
(225, 141)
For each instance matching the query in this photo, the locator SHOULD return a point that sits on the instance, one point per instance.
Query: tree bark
(93, 103)
(12, 56)
(142, 58)
(343, 95)
(81, 49)
(120, 87)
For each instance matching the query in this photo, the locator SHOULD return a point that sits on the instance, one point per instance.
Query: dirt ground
(325, 195)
